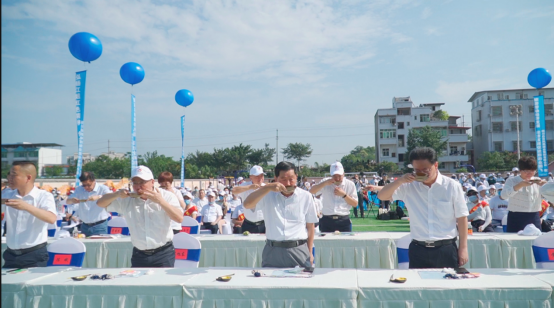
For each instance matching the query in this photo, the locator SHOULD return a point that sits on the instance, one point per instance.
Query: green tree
(387, 167)
(297, 151)
(238, 156)
(261, 156)
(491, 161)
(441, 114)
(160, 163)
(53, 171)
(105, 167)
(359, 159)
(425, 137)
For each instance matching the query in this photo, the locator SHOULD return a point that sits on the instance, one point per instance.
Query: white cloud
(426, 13)
(290, 41)
(433, 31)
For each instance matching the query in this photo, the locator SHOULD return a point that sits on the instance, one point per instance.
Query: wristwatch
(344, 196)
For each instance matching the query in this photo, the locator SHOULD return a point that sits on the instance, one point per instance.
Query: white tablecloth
(363, 250)
(496, 288)
(329, 288)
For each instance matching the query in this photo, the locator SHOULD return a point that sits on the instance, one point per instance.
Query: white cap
(211, 194)
(240, 178)
(256, 170)
(547, 190)
(472, 188)
(336, 168)
(491, 175)
(467, 185)
(482, 176)
(221, 192)
(482, 188)
(187, 194)
(220, 181)
(498, 186)
(464, 178)
(515, 169)
(462, 174)
(374, 176)
(142, 172)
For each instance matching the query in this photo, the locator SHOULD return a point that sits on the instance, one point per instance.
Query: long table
(363, 250)
(182, 287)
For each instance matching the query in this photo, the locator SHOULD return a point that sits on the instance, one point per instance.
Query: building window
(519, 96)
(531, 125)
(4, 154)
(400, 140)
(401, 125)
(20, 154)
(32, 153)
(500, 96)
(498, 146)
(385, 152)
(408, 124)
(497, 127)
(525, 95)
(548, 109)
(507, 97)
(401, 157)
(442, 165)
(514, 124)
(387, 119)
(550, 145)
(394, 155)
(424, 118)
(478, 115)
(533, 144)
(514, 145)
(453, 150)
(489, 98)
(477, 130)
(531, 108)
(415, 117)
(496, 111)
(444, 132)
(549, 125)
(387, 133)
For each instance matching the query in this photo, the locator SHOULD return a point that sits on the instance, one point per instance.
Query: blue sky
(315, 70)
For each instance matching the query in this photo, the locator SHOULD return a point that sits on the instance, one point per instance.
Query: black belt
(152, 251)
(254, 223)
(436, 243)
(96, 223)
(335, 217)
(27, 250)
(286, 243)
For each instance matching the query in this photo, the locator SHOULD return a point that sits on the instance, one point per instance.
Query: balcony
(388, 141)
(458, 138)
(454, 158)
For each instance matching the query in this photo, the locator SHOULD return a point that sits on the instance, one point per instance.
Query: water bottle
(76, 233)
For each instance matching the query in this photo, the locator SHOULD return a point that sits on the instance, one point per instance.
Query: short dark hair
(24, 163)
(527, 163)
(165, 177)
(423, 153)
(87, 176)
(285, 167)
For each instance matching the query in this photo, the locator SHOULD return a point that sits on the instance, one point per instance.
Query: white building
(40, 154)
(392, 126)
(113, 155)
(495, 128)
(87, 157)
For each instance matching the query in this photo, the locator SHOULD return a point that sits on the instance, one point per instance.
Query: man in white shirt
(211, 214)
(339, 196)
(290, 214)
(438, 212)
(28, 211)
(201, 200)
(254, 219)
(483, 193)
(149, 219)
(94, 218)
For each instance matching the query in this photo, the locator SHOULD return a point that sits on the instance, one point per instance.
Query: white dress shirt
(149, 224)
(526, 199)
(433, 211)
(286, 217)
(318, 206)
(210, 212)
(174, 224)
(23, 229)
(239, 210)
(252, 215)
(89, 212)
(200, 203)
(233, 204)
(336, 205)
(499, 208)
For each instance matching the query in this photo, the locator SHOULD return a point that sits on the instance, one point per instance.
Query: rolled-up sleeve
(311, 214)
(460, 207)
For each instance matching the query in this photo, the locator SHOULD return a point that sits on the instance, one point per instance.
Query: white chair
(190, 226)
(187, 251)
(402, 251)
(505, 224)
(118, 225)
(543, 250)
(227, 229)
(66, 252)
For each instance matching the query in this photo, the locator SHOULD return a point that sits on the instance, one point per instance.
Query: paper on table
(284, 274)
(73, 224)
(426, 274)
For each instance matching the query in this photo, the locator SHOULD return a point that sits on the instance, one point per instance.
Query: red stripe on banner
(181, 254)
(62, 259)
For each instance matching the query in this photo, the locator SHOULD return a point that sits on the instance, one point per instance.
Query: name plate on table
(62, 259)
(116, 230)
(185, 229)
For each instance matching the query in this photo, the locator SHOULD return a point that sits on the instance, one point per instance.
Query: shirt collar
(34, 193)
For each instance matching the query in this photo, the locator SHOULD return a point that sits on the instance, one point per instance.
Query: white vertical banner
(80, 82)
(540, 136)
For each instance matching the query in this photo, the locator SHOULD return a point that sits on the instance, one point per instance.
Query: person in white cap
(483, 193)
(479, 212)
(515, 171)
(438, 212)
(233, 201)
(550, 177)
(254, 219)
(240, 180)
(339, 195)
(148, 217)
(192, 210)
(290, 213)
(165, 180)
(483, 180)
(499, 206)
(211, 214)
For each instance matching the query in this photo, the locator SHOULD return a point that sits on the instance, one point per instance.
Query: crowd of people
(286, 210)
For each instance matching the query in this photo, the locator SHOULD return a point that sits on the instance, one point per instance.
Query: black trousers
(329, 225)
(438, 257)
(517, 221)
(248, 226)
(237, 230)
(163, 258)
(36, 258)
(477, 223)
(212, 228)
(175, 232)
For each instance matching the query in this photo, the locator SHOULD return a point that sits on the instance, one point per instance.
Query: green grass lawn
(371, 224)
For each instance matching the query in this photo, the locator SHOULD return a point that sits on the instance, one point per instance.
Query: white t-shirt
(499, 208)
(286, 217)
(89, 212)
(336, 205)
(252, 215)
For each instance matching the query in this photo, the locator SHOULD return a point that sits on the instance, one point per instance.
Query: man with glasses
(149, 218)
(95, 219)
(524, 194)
(438, 212)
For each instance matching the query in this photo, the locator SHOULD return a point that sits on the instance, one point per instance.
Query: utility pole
(277, 148)
(516, 110)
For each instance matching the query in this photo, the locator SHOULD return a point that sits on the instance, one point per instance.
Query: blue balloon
(85, 46)
(184, 97)
(539, 78)
(131, 73)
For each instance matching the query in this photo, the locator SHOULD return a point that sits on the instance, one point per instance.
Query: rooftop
(31, 145)
(521, 89)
